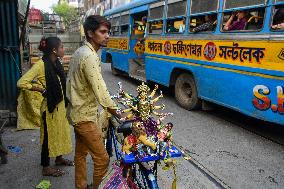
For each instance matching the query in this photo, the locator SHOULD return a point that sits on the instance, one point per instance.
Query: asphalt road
(227, 150)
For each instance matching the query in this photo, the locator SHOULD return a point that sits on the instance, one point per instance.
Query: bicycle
(138, 170)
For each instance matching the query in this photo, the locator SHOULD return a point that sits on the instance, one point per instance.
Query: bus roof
(128, 6)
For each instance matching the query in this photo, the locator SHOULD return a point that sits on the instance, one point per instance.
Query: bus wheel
(186, 92)
(114, 71)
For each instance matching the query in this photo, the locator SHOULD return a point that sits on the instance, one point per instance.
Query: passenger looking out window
(208, 24)
(278, 19)
(145, 30)
(237, 21)
(255, 21)
(182, 26)
(176, 25)
(144, 24)
(170, 27)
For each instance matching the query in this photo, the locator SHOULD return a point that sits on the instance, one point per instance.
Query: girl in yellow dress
(55, 129)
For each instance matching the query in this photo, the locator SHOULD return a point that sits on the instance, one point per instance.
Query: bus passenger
(135, 29)
(255, 21)
(182, 26)
(207, 26)
(144, 23)
(278, 19)
(237, 21)
(171, 28)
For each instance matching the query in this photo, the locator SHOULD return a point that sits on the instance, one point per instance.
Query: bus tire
(186, 92)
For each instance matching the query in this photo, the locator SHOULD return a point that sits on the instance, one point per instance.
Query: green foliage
(67, 12)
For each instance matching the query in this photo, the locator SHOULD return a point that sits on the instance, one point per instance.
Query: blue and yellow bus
(229, 52)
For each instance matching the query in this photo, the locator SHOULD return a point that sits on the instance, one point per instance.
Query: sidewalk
(23, 170)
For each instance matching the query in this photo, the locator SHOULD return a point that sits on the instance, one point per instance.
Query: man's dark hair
(93, 22)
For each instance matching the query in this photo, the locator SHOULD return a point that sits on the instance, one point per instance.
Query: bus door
(137, 46)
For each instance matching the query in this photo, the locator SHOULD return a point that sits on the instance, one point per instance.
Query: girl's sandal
(52, 172)
(64, 162)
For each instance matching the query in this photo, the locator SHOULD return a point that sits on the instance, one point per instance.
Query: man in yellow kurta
(86, 90)
(55, 129)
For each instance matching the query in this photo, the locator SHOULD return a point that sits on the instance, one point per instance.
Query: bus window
(206, 20)
(156, 10)
(156, 27)
(176, 25)
(256, 18)
(229, 4)
(244, 20)
(115, 25)
(203, 6)
(278, 18)
(124, 23)
(124, 19)
(203, 23)
(114, 30)
(156, 13)
(176, 12)
(124, 29)
(176, 8)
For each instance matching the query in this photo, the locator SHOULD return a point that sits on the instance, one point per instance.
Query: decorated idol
(150, 136)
